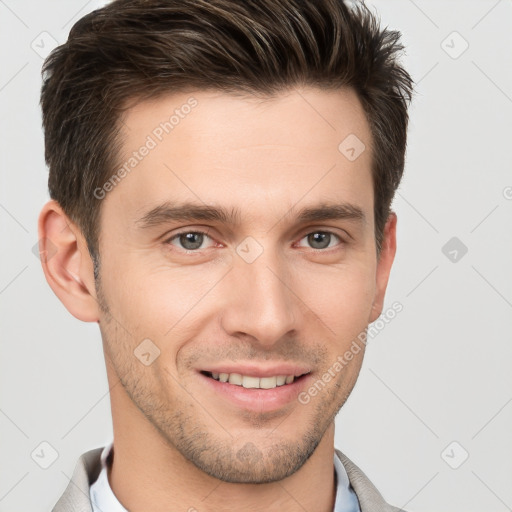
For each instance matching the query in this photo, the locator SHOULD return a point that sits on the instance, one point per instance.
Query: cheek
(160, 302)
(342, 297)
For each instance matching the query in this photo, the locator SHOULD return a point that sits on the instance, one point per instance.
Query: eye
(189, 240)
(192, 241)
(321, 239)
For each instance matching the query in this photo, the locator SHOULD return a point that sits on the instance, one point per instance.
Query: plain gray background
(430, 418)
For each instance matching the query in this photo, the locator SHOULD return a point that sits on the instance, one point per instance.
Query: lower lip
(260, 400)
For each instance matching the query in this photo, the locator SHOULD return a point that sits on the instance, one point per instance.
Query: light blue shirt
(104, 500)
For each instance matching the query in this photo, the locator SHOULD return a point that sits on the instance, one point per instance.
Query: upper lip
(254, 370)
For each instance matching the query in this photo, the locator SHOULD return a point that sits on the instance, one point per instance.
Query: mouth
(255, 386)
(252, 382)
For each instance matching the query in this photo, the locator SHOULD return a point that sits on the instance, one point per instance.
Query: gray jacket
(76, 497)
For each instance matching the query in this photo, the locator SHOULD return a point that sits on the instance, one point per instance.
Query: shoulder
(370, 499)
(76, 495)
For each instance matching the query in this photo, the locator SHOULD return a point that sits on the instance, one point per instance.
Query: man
(221, 175)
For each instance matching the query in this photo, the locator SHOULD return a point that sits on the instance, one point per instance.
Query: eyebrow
(189, 211)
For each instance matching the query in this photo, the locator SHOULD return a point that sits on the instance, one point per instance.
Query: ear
(66, 262)
(387, 255)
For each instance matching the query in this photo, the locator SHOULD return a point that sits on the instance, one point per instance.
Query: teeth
(250, 382)
(268, 382)
(254, 382)
(235, 378)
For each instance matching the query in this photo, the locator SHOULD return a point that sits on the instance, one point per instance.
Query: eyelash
(190, 251)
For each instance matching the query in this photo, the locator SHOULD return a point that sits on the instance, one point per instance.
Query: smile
(248, 381)
(256, 388)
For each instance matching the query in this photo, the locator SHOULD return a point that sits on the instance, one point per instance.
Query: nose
(262, 303)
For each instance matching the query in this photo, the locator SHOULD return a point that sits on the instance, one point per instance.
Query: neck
(149, 474)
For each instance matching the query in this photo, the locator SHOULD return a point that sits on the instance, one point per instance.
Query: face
(239, 245)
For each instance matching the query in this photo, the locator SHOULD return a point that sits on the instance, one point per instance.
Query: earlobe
(384, 263)
(66, 262)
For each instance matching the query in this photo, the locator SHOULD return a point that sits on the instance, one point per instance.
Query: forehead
(255, 155)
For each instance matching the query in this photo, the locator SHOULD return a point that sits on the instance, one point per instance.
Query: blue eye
(320, 239)
(192, 241)
(189, 240)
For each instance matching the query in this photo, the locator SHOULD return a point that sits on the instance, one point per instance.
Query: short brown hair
(141, 49)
